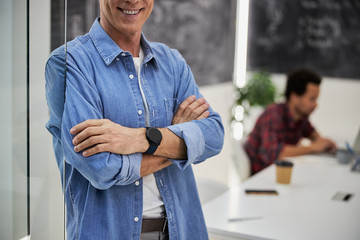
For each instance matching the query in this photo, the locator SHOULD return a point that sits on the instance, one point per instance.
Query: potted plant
(257, 94)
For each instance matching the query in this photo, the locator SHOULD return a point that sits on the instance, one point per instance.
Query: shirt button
(136, 219)
(139, 112)
(123, 54)
(131, 76)
(137, 183)
(117, 59)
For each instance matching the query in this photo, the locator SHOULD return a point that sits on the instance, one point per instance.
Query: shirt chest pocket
(171, 106)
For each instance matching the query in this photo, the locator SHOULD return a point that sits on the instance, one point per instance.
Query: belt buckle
(164, 226)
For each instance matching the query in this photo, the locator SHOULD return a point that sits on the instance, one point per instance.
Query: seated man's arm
(317, 139)
(318, 144)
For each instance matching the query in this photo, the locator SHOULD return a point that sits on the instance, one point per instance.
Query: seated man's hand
(191, 109)
(102, 135)
(323, 144)
(332, 146)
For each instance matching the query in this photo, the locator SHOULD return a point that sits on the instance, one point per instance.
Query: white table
(303, 210)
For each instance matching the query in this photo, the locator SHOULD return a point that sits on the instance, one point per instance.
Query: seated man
(280, 127)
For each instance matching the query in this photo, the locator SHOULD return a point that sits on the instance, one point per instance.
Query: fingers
(87, 133)
(89, 136)
(200, 110)
(191, 109)
(88, 123)
(196, 109)
(89, 142)
(103, 147)
(203, 115)
(183, 106)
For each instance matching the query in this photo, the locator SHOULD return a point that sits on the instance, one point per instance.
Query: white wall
(338, 114)
(220, 97)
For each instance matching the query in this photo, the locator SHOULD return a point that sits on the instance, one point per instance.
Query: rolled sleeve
(204, 138)
(102, 170)
(130, 171)
(194, 140)
(83, 102)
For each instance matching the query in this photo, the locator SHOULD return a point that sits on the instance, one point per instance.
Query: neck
(129, 42)
(293, 111)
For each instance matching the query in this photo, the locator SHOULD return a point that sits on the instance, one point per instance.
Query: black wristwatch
(154, 136)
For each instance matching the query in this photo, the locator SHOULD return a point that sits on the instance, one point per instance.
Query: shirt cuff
(194, 140)
(130, 170)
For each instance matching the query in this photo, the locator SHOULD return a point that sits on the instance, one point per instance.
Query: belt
(154, 225)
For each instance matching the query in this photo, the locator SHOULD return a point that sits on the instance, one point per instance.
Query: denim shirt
(103, 192)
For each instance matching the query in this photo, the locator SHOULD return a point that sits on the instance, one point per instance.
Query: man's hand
(321, 144)
(191, 109)
(103, 135)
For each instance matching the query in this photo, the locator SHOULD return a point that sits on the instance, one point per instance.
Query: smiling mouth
(129, 12)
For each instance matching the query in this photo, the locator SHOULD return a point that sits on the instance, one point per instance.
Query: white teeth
(130, 12)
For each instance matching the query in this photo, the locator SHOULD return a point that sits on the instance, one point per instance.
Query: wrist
(312, 148)
(142, 142)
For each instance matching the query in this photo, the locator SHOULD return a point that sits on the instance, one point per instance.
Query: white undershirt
(153, 205)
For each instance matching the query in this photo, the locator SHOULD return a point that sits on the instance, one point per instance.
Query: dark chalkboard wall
(322, 35)
(202, 30)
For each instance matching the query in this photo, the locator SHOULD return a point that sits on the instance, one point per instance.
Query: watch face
(155, 135)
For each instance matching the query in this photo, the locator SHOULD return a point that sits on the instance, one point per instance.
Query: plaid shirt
(274, 128)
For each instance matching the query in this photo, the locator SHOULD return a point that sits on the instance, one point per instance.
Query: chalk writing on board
(322, 35)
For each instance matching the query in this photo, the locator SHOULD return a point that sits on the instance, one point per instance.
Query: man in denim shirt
(123, 141)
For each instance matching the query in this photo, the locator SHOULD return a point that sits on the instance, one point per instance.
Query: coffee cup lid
(284, 163)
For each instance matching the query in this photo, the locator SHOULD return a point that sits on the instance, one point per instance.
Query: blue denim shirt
(103, 192)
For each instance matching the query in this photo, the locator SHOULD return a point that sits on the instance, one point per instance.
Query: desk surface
(302, 210)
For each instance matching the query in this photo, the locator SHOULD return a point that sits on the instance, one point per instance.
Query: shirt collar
(109, 50)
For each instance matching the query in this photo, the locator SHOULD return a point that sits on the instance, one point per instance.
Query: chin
(309, 112)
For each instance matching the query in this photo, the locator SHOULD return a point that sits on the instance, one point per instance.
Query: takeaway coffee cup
(283, 171)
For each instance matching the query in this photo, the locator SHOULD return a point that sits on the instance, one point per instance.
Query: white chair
(241, 160)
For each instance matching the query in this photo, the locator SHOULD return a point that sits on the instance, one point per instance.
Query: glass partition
(31, 201)
(13, 121)
(47, 201)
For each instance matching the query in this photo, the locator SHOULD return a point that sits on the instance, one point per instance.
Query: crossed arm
(102, 135)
